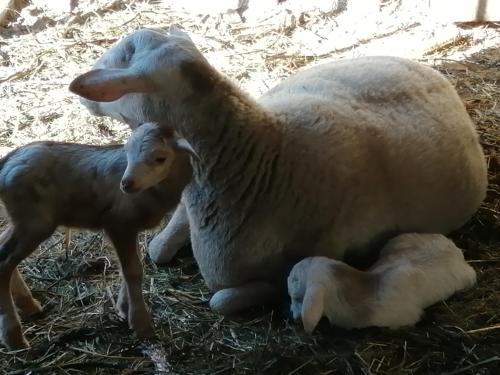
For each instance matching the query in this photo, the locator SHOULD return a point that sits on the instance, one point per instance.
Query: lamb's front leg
(122, 304)
(175, 235)
(22, 295)
(138, 316)
(20, 292)
(235, 299)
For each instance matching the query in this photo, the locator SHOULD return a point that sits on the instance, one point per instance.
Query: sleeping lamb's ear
(313, 307)
(107, 85)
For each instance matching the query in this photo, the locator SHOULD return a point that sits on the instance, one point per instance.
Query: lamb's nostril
(127, 184)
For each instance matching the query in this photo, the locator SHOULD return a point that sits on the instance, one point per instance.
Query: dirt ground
(79, 331)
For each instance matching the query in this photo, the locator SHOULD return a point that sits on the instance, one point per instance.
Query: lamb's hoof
(14, 339)
(122, 309)
(143, 328)
(29, 306)
(146, 331)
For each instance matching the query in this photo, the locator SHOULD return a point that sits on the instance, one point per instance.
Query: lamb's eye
(160, 160)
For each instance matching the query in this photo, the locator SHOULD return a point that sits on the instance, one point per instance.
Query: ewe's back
(391, 132)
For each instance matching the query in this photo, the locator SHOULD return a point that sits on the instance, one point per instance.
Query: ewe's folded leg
(232, 300)
(175, 235)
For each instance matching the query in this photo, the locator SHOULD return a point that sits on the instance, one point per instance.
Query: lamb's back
(63, 176)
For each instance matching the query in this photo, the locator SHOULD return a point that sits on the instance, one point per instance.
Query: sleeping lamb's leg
(165, 245)
(138, 316)
(231, 300)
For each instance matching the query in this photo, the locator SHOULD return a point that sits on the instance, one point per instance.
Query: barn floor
(79, 331)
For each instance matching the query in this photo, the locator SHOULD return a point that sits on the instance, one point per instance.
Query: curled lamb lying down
(332, 162)
(47, 184)
(413, 272)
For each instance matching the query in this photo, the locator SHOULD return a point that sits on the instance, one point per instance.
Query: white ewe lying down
(414, 271)
(332, 162)
(47, 184)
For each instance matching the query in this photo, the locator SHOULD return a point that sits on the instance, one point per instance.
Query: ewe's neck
(238, 147)
(218, 113)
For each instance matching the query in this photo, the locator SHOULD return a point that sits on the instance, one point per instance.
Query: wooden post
(465, 10)
(9, 9)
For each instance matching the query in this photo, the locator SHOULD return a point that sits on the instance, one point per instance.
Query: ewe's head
(136, 77)
(151, 152)
(307, 285)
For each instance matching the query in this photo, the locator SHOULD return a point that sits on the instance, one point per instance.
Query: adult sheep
(332, 161)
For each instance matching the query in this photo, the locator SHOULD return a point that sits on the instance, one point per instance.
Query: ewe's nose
(127, 185)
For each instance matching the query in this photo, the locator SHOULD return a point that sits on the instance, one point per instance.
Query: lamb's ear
(313, 307)
(183, 145)
(167, 132)
(176, 30)
(107, 85)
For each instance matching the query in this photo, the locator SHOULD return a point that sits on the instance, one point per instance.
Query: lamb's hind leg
(131, 290)
(235, 299)
(18, 245)
(20, 292)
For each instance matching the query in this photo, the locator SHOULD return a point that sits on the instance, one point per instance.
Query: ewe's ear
(313, 307)
(107, 85)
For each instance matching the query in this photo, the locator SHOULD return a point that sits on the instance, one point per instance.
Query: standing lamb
(413, 272)
(333, 161)
(46, 184)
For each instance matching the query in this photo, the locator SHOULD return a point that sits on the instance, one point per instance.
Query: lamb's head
(137, 77)
(151, 152)
(297, 280)
(307, 285)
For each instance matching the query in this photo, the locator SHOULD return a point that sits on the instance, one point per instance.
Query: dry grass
(79, 332)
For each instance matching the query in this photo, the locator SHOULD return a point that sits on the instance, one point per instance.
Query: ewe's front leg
(175, 235)
(232, 300)
(138, 316)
